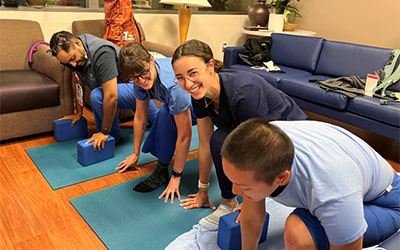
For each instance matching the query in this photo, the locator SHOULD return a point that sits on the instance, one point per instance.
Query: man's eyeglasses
(143, 75)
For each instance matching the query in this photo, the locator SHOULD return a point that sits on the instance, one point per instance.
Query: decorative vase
(276, 22)
(259, 14)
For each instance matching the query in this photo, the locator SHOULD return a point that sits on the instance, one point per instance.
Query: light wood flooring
(33, 216)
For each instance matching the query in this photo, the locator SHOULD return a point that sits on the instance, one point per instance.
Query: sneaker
(211, 221)
(156, 179)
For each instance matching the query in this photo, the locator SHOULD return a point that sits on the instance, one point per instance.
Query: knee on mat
(296, 234)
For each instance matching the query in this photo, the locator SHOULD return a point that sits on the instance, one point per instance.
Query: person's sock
(157, 178)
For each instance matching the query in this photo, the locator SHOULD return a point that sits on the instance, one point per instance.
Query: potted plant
(283, 7)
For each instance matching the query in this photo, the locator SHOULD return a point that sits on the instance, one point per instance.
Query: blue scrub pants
(126, 100)
(216, 142)
(161, 141)
(382, 216)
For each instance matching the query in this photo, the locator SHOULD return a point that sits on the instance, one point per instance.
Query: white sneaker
(211, 221)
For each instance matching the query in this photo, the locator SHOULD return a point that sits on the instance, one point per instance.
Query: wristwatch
(176, 174)
(104, 131)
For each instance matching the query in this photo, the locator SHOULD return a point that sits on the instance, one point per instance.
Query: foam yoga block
(63, 131)
(229, 237)
(87, 155)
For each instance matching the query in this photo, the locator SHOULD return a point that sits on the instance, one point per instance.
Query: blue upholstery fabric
(311, 91)
(275, 78)
(231, 55)
(304, 58)
(299, 52)
(345, 59)
(370, 107)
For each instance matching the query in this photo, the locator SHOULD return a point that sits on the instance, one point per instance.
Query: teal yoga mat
(59, 166)
(124, 219)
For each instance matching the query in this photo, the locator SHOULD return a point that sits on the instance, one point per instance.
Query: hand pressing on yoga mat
(130, 161)
(197, 200)
(172, 189)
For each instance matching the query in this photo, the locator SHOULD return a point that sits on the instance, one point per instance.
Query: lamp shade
(194, 3)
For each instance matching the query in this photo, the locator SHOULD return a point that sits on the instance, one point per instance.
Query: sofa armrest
(230, 56)
(45, 63)
(166, 50)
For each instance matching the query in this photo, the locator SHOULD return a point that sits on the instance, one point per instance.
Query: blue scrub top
(245, 95)
(167, 91)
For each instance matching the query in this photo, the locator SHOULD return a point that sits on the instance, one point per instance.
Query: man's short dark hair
(259, 146)
(61, 40)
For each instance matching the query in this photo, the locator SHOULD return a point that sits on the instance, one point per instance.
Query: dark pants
(161, 141)
(216, 142)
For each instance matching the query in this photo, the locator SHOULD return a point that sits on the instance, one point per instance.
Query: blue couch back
(299, 52)
(349, 59)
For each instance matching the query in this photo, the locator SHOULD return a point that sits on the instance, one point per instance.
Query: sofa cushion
(25, 90)
(274, 78)
(371, 108)
(301, 87)
(299, 52)
(348, 59)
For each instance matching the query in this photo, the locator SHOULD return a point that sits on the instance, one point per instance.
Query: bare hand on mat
(130, 161)
(197, 200)
(172, 189)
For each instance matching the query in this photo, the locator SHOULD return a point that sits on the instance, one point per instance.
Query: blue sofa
(304, 58)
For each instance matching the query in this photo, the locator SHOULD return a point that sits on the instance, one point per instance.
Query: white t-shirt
(333, 173)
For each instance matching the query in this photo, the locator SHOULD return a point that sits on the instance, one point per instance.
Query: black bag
(256, 51)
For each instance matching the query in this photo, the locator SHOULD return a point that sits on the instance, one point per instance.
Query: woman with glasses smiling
(172, 128)
(223, 98)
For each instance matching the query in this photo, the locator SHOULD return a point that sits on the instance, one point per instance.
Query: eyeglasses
(143, 75)
(192, 76)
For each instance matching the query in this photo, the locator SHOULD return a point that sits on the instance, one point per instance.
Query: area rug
(124, 219)
(58, 162)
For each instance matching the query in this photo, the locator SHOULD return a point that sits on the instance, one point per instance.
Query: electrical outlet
(224, 45)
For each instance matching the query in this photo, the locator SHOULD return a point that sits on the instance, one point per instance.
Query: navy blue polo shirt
(245, 95)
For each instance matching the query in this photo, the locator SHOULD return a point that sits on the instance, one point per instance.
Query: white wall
(163, 28)
(369, 22)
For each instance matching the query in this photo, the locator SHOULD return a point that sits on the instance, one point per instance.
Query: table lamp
(185, 14)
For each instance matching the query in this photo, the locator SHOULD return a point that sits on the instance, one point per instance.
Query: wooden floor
(33, 216)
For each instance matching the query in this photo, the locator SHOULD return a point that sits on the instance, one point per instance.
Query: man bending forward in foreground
(346, 195)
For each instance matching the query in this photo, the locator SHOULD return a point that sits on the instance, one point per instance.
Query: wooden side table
(268, 32)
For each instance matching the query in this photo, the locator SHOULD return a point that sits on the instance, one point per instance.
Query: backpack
(256, 51)
(390, 84)
(121, 26)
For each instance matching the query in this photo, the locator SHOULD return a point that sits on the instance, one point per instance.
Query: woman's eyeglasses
(192, 76)
(144, 75)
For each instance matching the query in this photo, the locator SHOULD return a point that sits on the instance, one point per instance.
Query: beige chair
(31, 95)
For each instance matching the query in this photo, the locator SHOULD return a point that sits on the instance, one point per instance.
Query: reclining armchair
(32, 95)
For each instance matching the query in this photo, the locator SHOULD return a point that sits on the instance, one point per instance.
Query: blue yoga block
(87, 155)
(229, 237)
(63, 131)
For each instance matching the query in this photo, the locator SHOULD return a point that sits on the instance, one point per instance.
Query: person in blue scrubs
(95, 62)
(346, 195)
(172, 128)
(223, 98)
